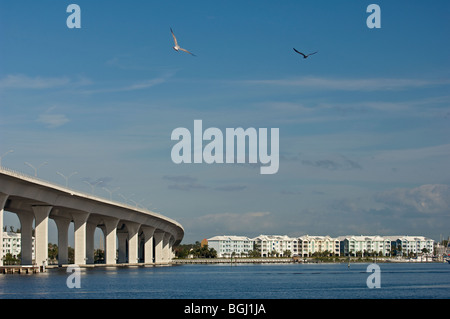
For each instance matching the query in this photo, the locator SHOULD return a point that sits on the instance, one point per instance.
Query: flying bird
(304, 55)
(177, 47)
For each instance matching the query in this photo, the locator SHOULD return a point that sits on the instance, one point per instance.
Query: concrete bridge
(138, 235)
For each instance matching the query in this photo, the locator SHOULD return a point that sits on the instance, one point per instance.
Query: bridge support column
(90, 231)
(122, 239)
(158, 238)
(26, 225)
(41, 234)
(171, 253)
(133, 242)
(110, 240)
(80, 237)
(3, 198)
(165, 248)
(148, 244)
(63, 239)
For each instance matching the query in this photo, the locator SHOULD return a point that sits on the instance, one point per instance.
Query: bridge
(140, 236)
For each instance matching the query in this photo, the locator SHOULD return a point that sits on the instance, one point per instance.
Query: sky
(364, 124)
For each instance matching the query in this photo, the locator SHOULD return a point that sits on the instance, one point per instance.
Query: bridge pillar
(110, 239)
(3, 198)
(171, 242)
(158, 239)
(148, 243)
(41, 234)
(80, 219)
(63, 239)
(122, 240)
(133, 242)
(90, 231)
(165, 248)
(26, 225)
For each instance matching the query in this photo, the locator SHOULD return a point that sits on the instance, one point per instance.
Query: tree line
(196, 250)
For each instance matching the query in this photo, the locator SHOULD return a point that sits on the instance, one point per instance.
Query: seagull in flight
(177, 47)
(304, 55)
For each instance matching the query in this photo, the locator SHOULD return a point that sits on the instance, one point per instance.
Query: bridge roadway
(140, 235)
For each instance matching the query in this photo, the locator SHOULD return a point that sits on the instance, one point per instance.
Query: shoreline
(18, 269)
(354, 260)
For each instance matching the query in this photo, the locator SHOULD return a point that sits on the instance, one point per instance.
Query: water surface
(242, 281)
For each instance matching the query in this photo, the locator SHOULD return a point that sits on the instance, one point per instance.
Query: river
(239, 281)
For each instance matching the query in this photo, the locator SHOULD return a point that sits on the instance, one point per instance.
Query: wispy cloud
(425, 199)
(402, 155)
(141, 85)
(144, 84)
(184, 183)
(186, 187)
(231, 188)
(180, 178)
(331, 162)
(342, 163)
(289, 192)
(188, 183)
(26, 82)
(21, 81)
(51, 119)
(345, 84)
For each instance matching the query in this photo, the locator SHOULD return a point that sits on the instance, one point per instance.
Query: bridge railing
(28, 177)
(35, 179)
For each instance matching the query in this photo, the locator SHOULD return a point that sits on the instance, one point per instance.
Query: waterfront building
(413, 244)
(276, 245)
(379, 245)
(308, 245)
(12, 244)
(227, 246)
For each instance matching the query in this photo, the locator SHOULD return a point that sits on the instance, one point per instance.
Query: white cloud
(426, 199)
(142, 85)
(53, 120)
(336, 163)
(20, 81)
(340, 84)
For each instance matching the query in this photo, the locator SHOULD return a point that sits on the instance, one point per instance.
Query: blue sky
(364, 124)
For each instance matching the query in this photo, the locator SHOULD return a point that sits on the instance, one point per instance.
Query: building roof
(311, 237)
(274, 237)
(12, 235)
(411, 238)
(232, 238)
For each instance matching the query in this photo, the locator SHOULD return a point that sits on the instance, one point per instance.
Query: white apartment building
(308, 245)
(352, 245)
(227, 245)
(275, 245)
(12, 244)
(413, 244)
(382, 244)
